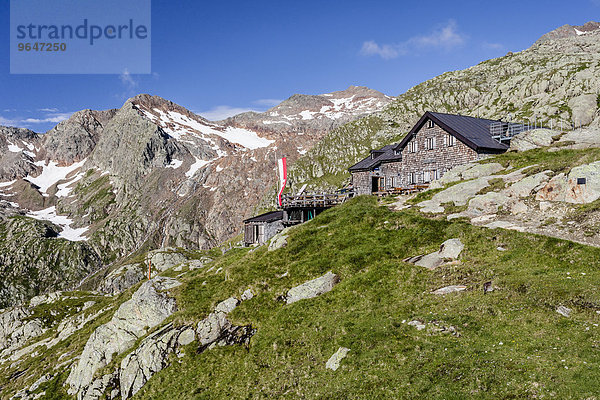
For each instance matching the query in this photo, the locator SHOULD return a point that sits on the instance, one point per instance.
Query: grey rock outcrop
(458, 194)
(312, 288)
(122, 279)
(147, 308)
(15, 330)
(151, 356)
(217, 330)
(279, 240)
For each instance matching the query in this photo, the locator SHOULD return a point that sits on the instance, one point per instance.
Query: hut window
(429, 143)
(412, 147)
(450, 140)
(430, 124)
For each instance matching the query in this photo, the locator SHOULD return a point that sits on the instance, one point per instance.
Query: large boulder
(458, 194)
(163, 259)
(533, 139)
(581, 185)
(312, 288)
(527, 185)
(584, 108)
(148, 307)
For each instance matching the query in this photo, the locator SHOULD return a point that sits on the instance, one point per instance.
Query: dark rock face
(74, 139)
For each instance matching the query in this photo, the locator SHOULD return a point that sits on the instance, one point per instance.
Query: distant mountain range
(151, 173)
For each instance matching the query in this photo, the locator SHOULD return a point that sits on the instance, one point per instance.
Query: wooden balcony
(323, 200)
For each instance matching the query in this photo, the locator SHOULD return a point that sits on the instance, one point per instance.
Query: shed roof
(266, 217)
(474, 132)
(385, 154)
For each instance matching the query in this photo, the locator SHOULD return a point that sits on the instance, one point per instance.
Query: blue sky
(219, 58)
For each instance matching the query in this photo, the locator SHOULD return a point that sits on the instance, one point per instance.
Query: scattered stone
(247, 295)
(334, 361)
(450, 289)
(500, 248)
(527, 185)
(450, 249)
(564, 311)
(488, 287)
(312, 288)
(417, 324)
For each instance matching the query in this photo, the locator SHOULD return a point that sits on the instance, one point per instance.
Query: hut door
(376, 185)
(249, 234)
(261, 233)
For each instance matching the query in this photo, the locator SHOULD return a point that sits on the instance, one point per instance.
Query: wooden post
(149, 269)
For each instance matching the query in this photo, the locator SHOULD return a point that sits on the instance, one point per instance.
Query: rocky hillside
(104, 184)
(446, 294)
(554, 80)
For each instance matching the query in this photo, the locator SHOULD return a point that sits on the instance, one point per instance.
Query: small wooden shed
(259, 229)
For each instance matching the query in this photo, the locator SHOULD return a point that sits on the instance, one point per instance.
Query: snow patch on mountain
(51, 174)
(69, 233)
(178, 126)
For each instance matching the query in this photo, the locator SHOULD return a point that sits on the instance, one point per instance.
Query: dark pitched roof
(385, 154)
(474, 132)
(266, 217)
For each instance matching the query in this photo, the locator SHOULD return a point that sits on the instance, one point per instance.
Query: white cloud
(221, 112)
(267, 102)
(53, 117)
(385, 51)
(6, 122)
(130, 84)
(48, 109)
(493, 46)
(445, 37)
(127, 79)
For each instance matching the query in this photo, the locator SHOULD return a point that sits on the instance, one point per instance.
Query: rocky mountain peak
(567, 30)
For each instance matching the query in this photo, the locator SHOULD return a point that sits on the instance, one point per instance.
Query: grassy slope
(512, 343)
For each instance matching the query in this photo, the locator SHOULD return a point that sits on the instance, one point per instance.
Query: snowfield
(49, 214)
(51, 174)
